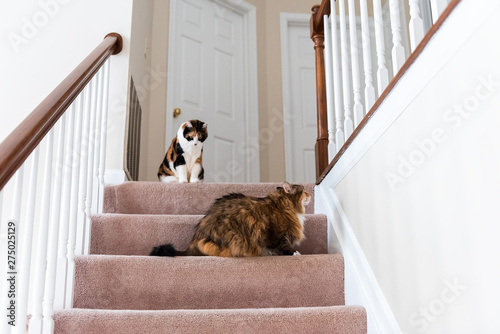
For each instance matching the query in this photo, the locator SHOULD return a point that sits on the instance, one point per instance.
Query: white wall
(146, 77)
(153, 146)
(43, 41)
(421, 196)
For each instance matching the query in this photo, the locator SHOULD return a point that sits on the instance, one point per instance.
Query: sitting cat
(182, 161)
(237, 225)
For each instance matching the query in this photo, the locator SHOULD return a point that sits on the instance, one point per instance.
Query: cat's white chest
(190, 156)
(302, 218)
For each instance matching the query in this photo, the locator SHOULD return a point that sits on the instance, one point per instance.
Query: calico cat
(237, 225)
(182, 161)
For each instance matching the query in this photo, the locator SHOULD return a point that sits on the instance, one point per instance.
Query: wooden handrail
(318, 37)
(17, 147)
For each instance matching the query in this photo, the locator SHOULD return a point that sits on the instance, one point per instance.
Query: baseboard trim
(361, 286)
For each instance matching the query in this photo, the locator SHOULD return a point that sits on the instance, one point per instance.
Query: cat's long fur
(183, 160)
(237, 225)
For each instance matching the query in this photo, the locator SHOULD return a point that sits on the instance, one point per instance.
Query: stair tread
(331, 319)
(120, 234)
(180, 199)
(140, 282)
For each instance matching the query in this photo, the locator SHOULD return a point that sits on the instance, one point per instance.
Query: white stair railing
(102, 140)
(338, 116)
(26, 242)
(43, 219)
(367, 56)
(67, 246)
(382, 71)
(398, 51)
(355, 66)
(67, 171)
(36, 321)
(344, 82)
(416, 25)
(329, 79)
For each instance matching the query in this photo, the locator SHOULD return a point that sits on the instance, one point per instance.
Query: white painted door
(206, 65)
(299, 83)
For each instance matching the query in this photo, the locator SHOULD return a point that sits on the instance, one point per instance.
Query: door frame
(287, 20)
(250, 89)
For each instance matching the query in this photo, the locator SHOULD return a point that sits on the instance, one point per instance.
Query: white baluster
(53, 237)
(329, 89)
(346, 83)
(26, 245)
(67, 251)
(398, 51)
(97, 143)
(337, 85)
(78, 202)
(43, 229)
(90, 168)
(104, 133)
(416, 25)
(84, 169)
(382, 71)
(367, 57)
(67, 168)
(12, 226)
(356, 84)
(437, 8)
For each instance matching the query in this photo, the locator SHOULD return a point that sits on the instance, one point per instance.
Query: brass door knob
(177, 112)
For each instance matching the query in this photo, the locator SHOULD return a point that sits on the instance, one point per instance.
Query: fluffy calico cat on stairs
(237, 225)
(182, 162)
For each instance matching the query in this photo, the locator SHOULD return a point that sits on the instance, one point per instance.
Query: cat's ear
(204, 127)
(287, 187)
(189, 125)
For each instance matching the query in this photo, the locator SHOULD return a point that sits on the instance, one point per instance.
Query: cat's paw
(296, 253)
(183, 180)
(195, 181)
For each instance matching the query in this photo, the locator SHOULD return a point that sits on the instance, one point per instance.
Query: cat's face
(195, 132)
(298, 195)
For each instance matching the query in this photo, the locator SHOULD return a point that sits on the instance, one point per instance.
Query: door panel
(302, 96)
(189, 79)
(208, 84)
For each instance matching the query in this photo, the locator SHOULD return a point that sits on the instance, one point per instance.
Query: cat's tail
(166, 250)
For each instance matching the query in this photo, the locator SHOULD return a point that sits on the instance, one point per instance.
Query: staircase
(119, 289)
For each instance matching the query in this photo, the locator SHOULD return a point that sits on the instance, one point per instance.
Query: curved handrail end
(119, 42)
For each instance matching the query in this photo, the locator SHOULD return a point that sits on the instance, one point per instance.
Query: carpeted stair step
(118, 234)
(331, 320)
(180, 199)
(160, 283)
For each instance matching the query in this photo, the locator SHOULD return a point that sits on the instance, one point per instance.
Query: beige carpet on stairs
(180, 199)
(118, 289)
(119, 234)
(304, 320)
(156, 283)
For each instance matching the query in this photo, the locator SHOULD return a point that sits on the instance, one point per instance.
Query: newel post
(318, 37)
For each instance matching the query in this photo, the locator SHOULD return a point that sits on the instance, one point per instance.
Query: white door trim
(287, 20)
(251, 111)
